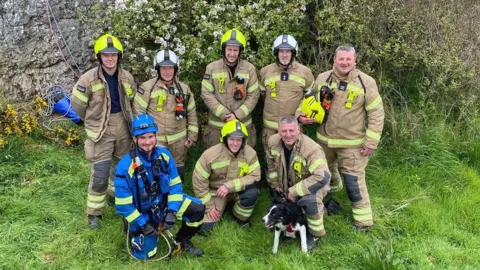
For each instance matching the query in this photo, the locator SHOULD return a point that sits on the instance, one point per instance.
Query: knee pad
(317, 186)
(248, 197)
(353, 191)
(101, 173)
(309, 204)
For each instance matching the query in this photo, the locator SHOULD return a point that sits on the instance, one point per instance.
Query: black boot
(94, 222)
(311, 241)
(246, 225)
(187, 246)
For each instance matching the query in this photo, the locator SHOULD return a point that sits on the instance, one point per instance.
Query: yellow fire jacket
(356, 114)
(156, 99)
(283, 96)
(218, 86)
(218, 166)
(91, 100)
(307, 172)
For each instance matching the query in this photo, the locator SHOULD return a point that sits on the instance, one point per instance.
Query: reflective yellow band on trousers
(270, 124)
(340, 142)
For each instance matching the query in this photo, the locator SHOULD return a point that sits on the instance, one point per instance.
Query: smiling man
(297, 168)
(352, 131)
(230, 89)
(227, 172)
(102, 97)
(283, 84)
(171, 103)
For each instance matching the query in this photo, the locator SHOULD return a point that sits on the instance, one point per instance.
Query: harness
(151, 189)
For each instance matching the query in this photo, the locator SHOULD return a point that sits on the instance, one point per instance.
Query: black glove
(148, 230)
(170, 220)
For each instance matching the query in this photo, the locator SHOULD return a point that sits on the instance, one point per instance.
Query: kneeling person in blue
(148, 191)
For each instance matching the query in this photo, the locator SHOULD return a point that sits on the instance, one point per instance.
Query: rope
(152, 260)
(53, 95)
(50, 10)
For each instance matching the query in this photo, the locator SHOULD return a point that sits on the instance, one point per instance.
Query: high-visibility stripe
(221, 124)
(315, 164)
(95, 205)
(97, 87)
(350, 87)
(271, 79)
(206, 198)
(372, 105)
(157, 93)
(220, 164)
(165, 156)
(133, 216)
(79, 95)
(194, 224)
(131, 170)
(242, 211)
(201, 171)
(96, 198)
(372, 134)
(183, 208)
(270, 124)
(140, 101)
(177, 136)
(207, 85)
(315, 224)
(193, 128)
(244, 109)
(219, 110)
(152, 253)
(362, 214)
(111, 187)
(297, 79)
(253, 88)
(123, 201)
(91, 134)
(238, 185)
(340, 142)
(175, 181)
(217, 75)
(175, 198)
(273, 175)
(191, 106)
(243, 75)
(298, 188)
(253, 166)
(275, 153)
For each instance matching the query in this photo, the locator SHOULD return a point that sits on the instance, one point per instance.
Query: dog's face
(277, 214)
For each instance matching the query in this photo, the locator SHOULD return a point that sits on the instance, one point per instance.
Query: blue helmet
(142, 124)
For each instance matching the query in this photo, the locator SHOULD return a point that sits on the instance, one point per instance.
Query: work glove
(148, 230)
(170, 220)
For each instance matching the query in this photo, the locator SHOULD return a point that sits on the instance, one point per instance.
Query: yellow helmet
(108, 44)
(312, 106)
(234, 128)
(233, 37)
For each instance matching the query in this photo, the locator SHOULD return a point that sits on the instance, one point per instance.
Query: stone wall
(30, 59)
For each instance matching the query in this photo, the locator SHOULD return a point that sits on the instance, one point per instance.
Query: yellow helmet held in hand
(234, 128)
(108, 44)
(312, 107)
(233, 37)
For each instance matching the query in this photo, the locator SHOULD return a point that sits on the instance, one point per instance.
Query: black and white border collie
(287, 218)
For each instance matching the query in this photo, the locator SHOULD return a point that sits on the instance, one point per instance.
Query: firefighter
(230, 89)
(171, 103)
(283, 84)
(297, 169)
(352, 129)
(148, 192)
(228, 172)
(102, 98)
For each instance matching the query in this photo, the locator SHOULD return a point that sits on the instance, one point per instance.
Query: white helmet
(285, 42)
(166, 58)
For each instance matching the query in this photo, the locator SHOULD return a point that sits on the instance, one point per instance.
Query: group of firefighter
(138, 136)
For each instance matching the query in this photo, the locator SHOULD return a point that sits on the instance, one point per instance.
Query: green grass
(424, 195)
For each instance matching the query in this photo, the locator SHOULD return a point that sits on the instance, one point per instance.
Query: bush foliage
(422, 53)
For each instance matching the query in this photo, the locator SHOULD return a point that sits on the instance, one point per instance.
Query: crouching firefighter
(227, 172)
(297, 168)
(148, 194)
